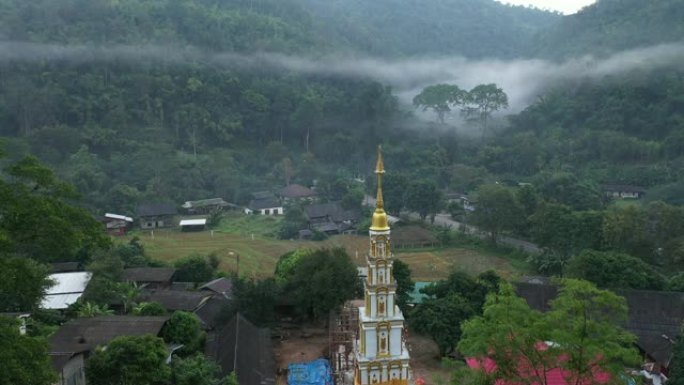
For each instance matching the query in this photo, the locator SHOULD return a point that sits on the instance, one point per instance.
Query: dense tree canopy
(615, 271)
(450, 302)
(24, 359)
(23, 283)
(130, 360)
(322, 280)
(581, 328)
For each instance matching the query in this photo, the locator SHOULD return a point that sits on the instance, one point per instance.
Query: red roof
(554, 376)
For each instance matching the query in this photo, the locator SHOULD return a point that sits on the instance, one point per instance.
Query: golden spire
(379, 221)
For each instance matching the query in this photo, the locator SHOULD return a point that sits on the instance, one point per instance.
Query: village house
(623, 191)
(76, 340)
(264, 203)
(297, 193)
(117, 224)
(156, 215)
(205, 206)
(331, 218)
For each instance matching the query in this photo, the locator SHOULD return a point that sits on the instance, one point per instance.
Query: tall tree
(321, 281)
(23, 283)
(38, 219)
(450, 302)
(497, 209)
(581, 330)
(615, 271)
(184, 328)
(440, 98)
(405, 285)
(130, 361)
(484, 99)
(424, 198)
(198, 370)
(24, 359)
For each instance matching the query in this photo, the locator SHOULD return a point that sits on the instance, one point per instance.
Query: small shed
(116, 224)
(193, 224)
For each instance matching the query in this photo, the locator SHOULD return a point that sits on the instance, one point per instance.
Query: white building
(381, 353)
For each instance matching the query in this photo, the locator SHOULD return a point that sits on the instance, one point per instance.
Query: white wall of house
(272, 211)
(268, 211)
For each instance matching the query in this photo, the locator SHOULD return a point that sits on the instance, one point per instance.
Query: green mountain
(610, 26)
(471, 28)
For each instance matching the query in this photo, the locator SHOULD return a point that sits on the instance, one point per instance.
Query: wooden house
(156, 215)
(76, 340)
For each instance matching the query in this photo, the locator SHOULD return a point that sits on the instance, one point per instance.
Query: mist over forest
(170, 100)
(519, 145)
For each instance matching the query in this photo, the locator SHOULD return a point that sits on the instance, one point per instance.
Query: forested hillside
(610, 26)
(137, 100)
(471, 28)
(623, 130)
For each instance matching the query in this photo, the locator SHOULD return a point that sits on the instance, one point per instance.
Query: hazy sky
(564, 6)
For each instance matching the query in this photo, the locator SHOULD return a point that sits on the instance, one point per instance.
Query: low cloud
(522, 80)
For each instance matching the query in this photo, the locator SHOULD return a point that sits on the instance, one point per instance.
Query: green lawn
(251, 238)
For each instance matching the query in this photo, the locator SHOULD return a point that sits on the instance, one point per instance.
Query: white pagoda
(381, 354)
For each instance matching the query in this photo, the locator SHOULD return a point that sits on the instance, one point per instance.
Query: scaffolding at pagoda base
(343, 331)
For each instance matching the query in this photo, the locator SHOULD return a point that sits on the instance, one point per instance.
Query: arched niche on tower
(383, 336)
(395, 372)
(382, 302)
(382, 246)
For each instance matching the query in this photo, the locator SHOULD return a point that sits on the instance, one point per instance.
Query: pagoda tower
(381, 354)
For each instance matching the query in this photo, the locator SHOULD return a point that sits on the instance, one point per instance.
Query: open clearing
(251, 237)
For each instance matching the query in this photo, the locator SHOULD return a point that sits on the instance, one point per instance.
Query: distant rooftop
(156, 209)
(148, 274)
(297, 191)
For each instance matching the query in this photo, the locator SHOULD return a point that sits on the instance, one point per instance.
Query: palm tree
(129, 293)
(89, 309)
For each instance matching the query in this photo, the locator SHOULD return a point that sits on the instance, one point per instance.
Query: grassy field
(251, 238)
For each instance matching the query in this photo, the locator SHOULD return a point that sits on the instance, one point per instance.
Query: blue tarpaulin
(315, 372)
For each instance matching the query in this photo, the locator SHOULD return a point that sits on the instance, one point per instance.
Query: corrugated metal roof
(67, 289)
(193, 222)
(60, 301)
(74, 282)
(120, 217)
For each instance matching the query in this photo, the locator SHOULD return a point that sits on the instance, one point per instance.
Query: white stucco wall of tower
(395, 338)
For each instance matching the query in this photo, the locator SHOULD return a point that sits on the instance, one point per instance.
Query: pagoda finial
(379, 221)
